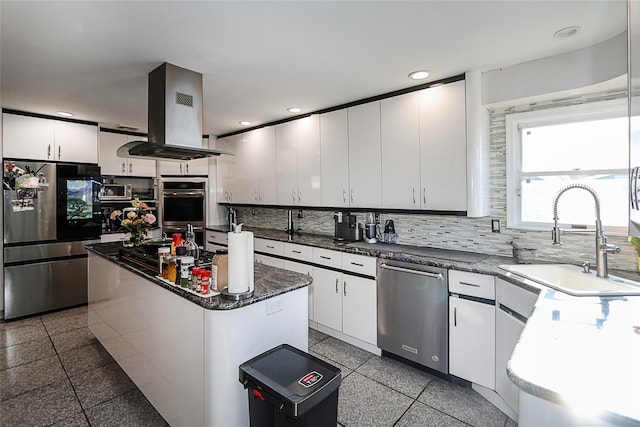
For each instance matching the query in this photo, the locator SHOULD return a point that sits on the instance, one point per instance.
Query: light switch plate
(495, 225)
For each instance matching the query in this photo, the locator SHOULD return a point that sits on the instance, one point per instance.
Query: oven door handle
(194, 194)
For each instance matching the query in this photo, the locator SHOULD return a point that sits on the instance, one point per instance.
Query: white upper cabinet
(255, 167)
(196, 167)
(365, 156)
(225, 168)
(334, 158)
(298, 162)
(38, 138)
(400, 125)
(111, 164)
(308, 161)
(443, 148)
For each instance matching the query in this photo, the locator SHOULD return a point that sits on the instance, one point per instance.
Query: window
(552, 148)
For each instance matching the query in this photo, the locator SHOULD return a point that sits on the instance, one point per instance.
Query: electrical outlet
(495, 225)
(376, 216)
(300, 213)
(274, 306)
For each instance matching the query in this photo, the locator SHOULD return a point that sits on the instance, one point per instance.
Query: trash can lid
(297, 379)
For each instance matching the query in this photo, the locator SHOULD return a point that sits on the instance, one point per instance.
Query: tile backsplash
(470, 234)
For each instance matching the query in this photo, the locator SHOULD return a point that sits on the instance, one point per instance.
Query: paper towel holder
(224, 293)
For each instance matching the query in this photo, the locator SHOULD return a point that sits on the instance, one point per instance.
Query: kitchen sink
(573, 280)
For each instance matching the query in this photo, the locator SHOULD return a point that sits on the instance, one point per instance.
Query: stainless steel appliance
(174, 118)
(184, 203)
(346, 227)
(115, 192)
(50, 211)
(413, 313)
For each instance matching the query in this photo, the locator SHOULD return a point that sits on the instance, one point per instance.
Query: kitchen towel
(240, 247)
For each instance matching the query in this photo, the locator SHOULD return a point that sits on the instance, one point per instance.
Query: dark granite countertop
(444, 258)
(268, 281)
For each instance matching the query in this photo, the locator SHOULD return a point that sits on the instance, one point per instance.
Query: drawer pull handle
(325, 257)
(271, 247)
(475, 285)
(296, 252)
(357, 264)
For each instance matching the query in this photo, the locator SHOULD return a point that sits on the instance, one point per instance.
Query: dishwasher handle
(438, 276)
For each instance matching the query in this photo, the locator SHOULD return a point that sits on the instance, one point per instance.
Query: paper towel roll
(240, 247)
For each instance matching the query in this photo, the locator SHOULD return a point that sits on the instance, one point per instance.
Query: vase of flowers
(135, 220)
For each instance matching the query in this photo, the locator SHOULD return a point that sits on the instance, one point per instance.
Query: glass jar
(172, 269)
(186, 265)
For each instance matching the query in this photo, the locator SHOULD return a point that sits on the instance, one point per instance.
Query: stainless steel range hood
(174, 117)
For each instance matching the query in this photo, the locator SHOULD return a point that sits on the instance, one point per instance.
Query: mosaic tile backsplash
(470, 234)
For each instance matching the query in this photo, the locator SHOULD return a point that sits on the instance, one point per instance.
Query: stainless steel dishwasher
(413, 313)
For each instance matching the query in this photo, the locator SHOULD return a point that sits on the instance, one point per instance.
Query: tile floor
(53, 372)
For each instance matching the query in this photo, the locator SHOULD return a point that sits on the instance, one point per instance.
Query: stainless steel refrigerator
(51, 210)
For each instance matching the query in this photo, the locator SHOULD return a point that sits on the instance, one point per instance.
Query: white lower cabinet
(472, 333)
(472, 341)
(346, 303)
(513, 306)
(508, 330)
(269, 260)
(359, 308)
(299, 267)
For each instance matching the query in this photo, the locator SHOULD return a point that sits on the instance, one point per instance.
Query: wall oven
(183, 203)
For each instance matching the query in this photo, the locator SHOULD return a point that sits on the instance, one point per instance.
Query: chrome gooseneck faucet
(602, 247)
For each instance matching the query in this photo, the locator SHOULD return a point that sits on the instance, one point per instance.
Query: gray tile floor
(53, 372)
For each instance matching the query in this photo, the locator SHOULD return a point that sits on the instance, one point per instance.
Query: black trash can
(288, 387)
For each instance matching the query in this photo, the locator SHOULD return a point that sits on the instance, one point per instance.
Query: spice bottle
(162, 264)
(186, 265)
(171, 269)
(203, 282)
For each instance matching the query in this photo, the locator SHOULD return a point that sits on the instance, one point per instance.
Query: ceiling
(258, 58)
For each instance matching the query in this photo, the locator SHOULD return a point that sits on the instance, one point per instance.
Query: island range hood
(174, 118)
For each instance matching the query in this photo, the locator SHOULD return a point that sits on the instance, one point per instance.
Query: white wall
(558, 74)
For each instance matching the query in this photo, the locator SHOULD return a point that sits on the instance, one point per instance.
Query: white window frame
(545, 117)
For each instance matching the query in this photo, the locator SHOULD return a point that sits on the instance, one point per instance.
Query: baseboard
(349, 339)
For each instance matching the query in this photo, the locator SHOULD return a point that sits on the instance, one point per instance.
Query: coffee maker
(347, 227)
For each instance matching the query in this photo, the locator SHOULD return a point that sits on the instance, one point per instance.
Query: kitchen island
(183, 350)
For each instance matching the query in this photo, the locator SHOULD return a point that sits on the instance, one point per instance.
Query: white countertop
(583, 353)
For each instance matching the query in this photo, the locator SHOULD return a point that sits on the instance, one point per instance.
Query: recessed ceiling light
(65, 114)
(419, 75)
(245, 122)
(566, 32)
(294, 109)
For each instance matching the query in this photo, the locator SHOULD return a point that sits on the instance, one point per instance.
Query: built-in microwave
(115, 192)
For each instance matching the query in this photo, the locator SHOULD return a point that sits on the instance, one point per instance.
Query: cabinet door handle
(424, 195)
(325, 257)
(455, 316)
(255, 194)
(344, 288)
(475, 285)
(49, 151)
(344, 195)
(130, 168)
(59, 152)
(352, 195)
(186, 168)
(259, 195)
(180, 168)
(299, 195)
(124, 167)
(413, 190)
(357, 264)
(337, 286)
(293, 195)
(296, 252)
